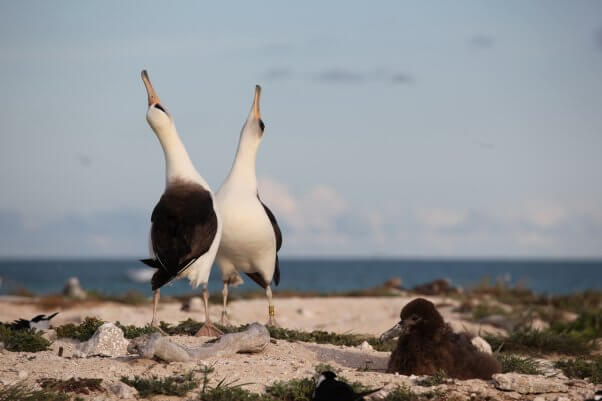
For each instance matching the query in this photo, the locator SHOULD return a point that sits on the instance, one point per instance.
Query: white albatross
(186, 228)
(251, 237)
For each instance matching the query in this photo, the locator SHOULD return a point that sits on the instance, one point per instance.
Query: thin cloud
(401, 78)
(484, 145)
(279, 74)
(340, 76)
(481, 41)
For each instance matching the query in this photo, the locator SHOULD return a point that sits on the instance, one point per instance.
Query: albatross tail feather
(277, 272)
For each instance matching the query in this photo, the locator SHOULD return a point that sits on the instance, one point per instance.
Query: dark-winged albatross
(186, 229)
(251, 237)
(427, 345)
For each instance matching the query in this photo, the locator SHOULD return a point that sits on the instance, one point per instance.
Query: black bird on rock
(427, 344)
(329, 388)
(40, 322)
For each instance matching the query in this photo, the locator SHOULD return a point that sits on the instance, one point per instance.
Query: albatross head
(254, 126)
(157, 116)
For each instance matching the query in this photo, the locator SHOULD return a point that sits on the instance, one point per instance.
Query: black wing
(278, 235)
(20, 324)
(183, 229)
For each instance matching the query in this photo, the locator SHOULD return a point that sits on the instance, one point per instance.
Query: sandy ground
(280, 361)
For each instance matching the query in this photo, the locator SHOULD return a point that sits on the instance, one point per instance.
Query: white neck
(178, 165)
(243, 168)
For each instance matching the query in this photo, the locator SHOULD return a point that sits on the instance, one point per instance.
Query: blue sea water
(328, 275)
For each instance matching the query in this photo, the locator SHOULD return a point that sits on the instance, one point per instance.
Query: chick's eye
(261, 125)
(158, 106)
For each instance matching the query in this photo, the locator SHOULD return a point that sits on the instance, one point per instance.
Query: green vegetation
(132, 331)
(233, 394)
(587, 326)
(405, 394)
(85, 330)
(440, 377)
(190, 327)
(19, 392)
(292, 390)
(81, 332)
(178, 385)
(73, 385)
(541, 342)
(580, 368)
(518, 364)
(29, 340)
(186, 328)
(483, 310)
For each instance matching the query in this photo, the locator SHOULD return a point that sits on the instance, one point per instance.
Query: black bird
(427, 345)
(329, 388)
(40, 322)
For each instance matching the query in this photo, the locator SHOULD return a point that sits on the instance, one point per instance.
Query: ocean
(320, 275)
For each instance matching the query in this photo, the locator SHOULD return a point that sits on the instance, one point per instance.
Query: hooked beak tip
(153, 98)
(393, 332)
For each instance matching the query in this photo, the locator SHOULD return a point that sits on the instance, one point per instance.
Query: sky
(393, 129)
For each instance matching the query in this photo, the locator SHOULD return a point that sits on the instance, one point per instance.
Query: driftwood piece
(254, 339)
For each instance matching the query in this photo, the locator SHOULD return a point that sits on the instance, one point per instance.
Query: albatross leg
(224, 319)
(271, 311)
(207, 329)
(156, 295)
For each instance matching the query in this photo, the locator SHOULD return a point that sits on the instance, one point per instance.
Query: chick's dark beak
(398, 330)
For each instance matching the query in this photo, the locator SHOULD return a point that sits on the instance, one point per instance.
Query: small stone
(393, 282)
(50, 335)
(561, 398)
(304, 312)
(22, 374)
(528, 384)
(108, 340)
(74, 289)
(122, 390)
(481, 345)
(194, 304)
(538, 324)
(365, 346)
(539, 398)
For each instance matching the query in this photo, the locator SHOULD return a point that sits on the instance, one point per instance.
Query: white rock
(365, 346)
(50, 335)
(481, 345)
(22, 374)
(538, 324)
(122, 390)
(539, 398)
(561, 398)
(108, 340)
(528, 384)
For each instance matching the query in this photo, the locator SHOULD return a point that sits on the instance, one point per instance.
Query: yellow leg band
(271, 311)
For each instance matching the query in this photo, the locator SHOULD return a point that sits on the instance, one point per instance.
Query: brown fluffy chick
(427, 344)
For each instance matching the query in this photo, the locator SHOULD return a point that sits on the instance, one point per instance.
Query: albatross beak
(256, 113)
(153, 98)
(395, 331)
